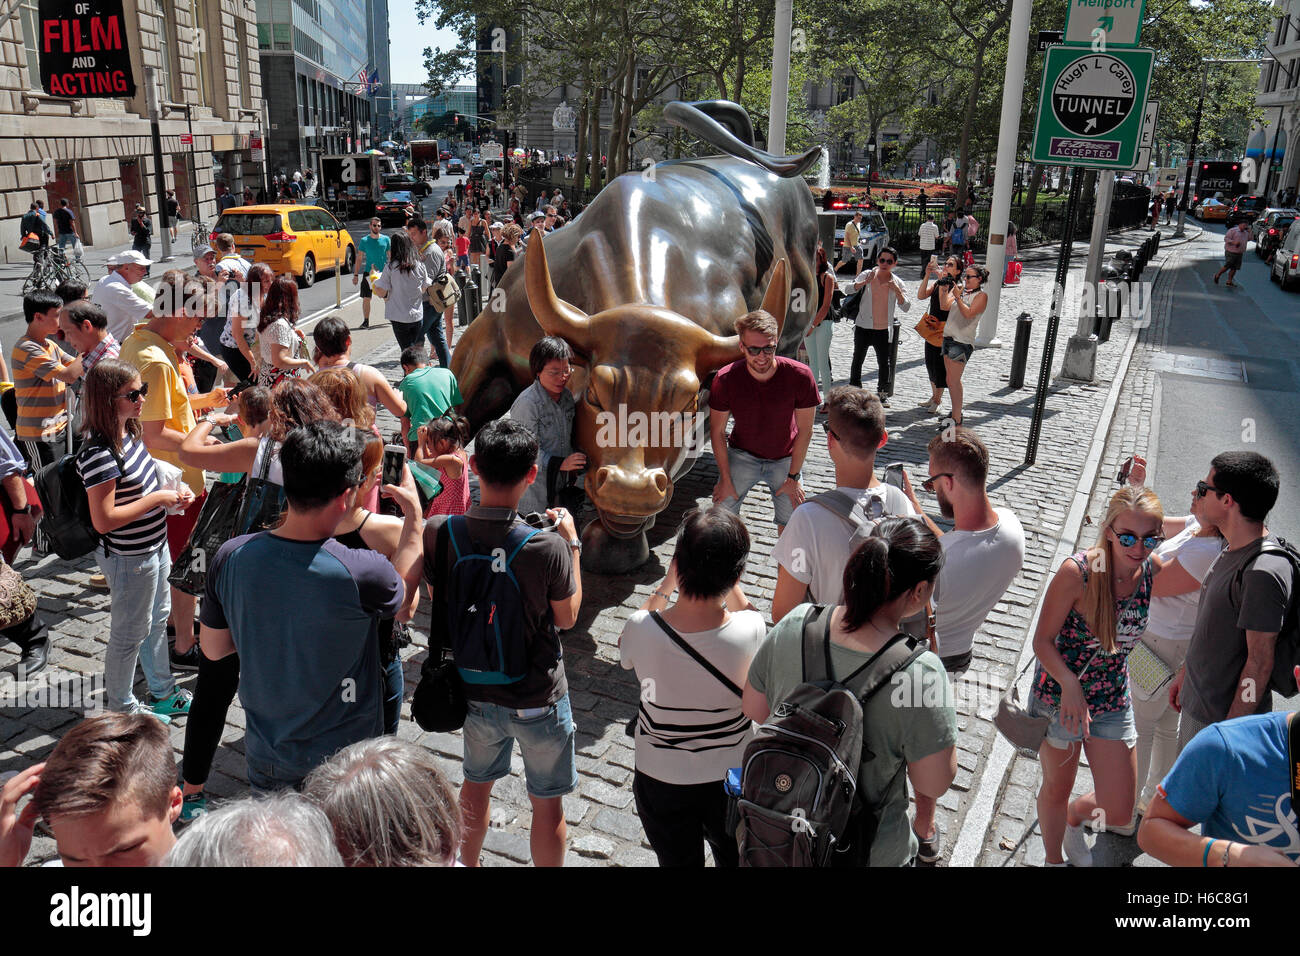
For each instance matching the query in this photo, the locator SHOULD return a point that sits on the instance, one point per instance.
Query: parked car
(1210, 209)
(455, 167)
(1244, 209)
(1276, 226)
(1257, 226)
(416, 186)
(395, 207)
(298, 240)
(1286, 261)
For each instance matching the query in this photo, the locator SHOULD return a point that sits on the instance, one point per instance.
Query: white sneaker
(1076, 847)
(929, 405)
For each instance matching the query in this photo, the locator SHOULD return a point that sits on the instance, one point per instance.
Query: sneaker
(189, 661)
(884, 399)
(928, 405)
(1076, 847)
(363, 325)
(931, 850)
(176, 703)
(193, 806)
(140, 708)
(98, 582)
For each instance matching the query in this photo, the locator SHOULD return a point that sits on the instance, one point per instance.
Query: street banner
(83, 49)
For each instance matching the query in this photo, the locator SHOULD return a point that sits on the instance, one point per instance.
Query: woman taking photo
(934, 363)
(510, 237)
(889, 578)
(243, 318)
(402, 285)
(348, 396)
(277, 335)
(690, 729)
(129, 510)
(963, 308)
(822, 329)
(1095, 610)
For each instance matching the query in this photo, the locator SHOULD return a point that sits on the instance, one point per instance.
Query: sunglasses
(1126, 538)
(886, 262)
(1202, 488)
(760, 349)
(928, 484)
(136, 393)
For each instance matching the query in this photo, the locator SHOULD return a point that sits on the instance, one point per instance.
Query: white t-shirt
(978, 567)
(1173, 618)
(815, 544)
(691, 729)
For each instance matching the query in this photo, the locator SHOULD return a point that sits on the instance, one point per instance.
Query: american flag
(367, 81)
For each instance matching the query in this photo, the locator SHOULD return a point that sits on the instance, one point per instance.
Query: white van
(1286, 261)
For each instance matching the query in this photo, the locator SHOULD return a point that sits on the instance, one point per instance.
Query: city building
(460, 99)
(387, 115)
(313, 53)
(97, 152)
(1275, 142)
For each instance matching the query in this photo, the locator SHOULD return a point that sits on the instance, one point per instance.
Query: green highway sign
(1120, 22)
(1090, 107)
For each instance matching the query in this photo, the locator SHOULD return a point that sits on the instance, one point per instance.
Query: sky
(407, 40)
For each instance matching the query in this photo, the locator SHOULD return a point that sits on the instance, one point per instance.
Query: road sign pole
(1054, 319)
(1191, 155)
(1080, 362)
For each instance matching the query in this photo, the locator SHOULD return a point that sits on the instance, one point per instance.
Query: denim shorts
(957, 351)
(748, 470)
(1115, 725)
(546, 740)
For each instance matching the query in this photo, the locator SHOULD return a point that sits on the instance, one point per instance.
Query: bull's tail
(727, 126)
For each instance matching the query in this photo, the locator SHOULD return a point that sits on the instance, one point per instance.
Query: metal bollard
(1109, 310)
(1020, 352)
(893, 357)
(462, 304)
(472, 290)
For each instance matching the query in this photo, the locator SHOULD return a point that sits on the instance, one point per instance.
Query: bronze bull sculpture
(647, 285)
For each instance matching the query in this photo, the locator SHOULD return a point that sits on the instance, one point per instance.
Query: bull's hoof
(603, 553)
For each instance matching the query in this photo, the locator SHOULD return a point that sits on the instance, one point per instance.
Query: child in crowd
(442, 446)
(253, 410)
(462, 249)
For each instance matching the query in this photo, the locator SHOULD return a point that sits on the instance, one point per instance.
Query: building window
(167, 51)
(199, 50)
(31, 31)
(241, 57)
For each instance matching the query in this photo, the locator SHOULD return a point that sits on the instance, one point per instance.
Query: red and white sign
(187, 139)
(255, 148)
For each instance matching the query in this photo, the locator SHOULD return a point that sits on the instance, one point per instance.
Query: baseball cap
(202, 251)
(131, 257)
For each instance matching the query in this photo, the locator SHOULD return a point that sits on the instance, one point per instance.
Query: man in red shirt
(773, 400)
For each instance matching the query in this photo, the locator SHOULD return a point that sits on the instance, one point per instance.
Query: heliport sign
(1119, 22)
(1090, 107)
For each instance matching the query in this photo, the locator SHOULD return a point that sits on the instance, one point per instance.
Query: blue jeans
(138, 625)
(819, 354)
(437, 337)
(546, 740)
(394, 685)
(748, 470)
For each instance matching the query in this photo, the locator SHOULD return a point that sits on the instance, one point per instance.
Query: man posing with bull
(773, 400)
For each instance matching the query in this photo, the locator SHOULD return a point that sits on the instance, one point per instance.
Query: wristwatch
(24, 510)
(794, 475)
(576, 543)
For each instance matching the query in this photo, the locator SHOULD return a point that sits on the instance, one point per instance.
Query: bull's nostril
(601, 475)
(661, 482)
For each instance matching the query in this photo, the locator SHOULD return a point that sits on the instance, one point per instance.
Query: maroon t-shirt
(764, 411)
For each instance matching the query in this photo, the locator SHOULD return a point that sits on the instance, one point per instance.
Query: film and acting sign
(83, 49)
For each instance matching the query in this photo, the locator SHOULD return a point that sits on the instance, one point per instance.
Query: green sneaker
(176, 704)
(142, 709)
(193, 806)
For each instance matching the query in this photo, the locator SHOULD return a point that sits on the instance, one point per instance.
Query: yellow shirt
(167, 401)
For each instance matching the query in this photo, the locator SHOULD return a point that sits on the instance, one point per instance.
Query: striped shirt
(96, 465)
(690, 729)
(41, 413)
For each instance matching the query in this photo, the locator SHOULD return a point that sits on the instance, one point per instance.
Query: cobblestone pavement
(603, 827)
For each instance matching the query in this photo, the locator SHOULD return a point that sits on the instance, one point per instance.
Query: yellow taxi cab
(293, 239)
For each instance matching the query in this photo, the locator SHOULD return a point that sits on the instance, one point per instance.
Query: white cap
(129, 258)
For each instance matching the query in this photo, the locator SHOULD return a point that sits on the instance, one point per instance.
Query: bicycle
(199, 237)
(51, 268)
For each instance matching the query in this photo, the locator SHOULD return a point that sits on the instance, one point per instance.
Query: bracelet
(666, 597)
(1205, 857)
(1226, 850)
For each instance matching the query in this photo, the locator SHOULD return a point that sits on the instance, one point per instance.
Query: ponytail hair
(900, 554)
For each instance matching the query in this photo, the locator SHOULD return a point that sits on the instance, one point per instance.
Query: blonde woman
(963, 307)
(1095, 611)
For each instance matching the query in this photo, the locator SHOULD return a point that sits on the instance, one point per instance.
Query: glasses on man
(136, 393)
(1202, 489)
(928, 484)
(1127, 538)
(757, 350)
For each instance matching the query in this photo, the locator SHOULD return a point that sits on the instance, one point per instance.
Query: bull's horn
(776, 300)
(553, 314)
(718, 352)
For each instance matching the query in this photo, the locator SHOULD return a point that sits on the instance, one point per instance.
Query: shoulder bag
(930, 328)
(17, 600)
(439, 702)
(1016, 724)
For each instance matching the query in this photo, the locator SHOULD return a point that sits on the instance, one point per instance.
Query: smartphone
(1125, 467)
(894, 474)
(246, 383)
(394, 462)
(934, 259)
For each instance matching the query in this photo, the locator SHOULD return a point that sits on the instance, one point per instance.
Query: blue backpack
(485, 607)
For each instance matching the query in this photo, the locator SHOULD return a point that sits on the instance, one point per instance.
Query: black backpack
(1286, 653)
(66, 521)
(799, 802)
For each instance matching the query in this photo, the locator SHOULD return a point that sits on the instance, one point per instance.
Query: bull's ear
(553, 314)
(715, 353)
(776, 300)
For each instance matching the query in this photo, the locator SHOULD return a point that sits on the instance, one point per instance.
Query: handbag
(30, 242)
(17, 600)
(930, 328)
(215, 526)
(1015, 723)
(9, 546)
(439, 703)
(444, 293)
(1147, 672)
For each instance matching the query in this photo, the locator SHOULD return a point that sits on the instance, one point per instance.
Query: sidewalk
(603, 827)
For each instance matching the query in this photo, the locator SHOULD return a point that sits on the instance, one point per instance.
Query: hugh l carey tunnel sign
(1090, 107)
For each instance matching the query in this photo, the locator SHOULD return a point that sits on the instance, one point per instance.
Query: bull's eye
(592, 400)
